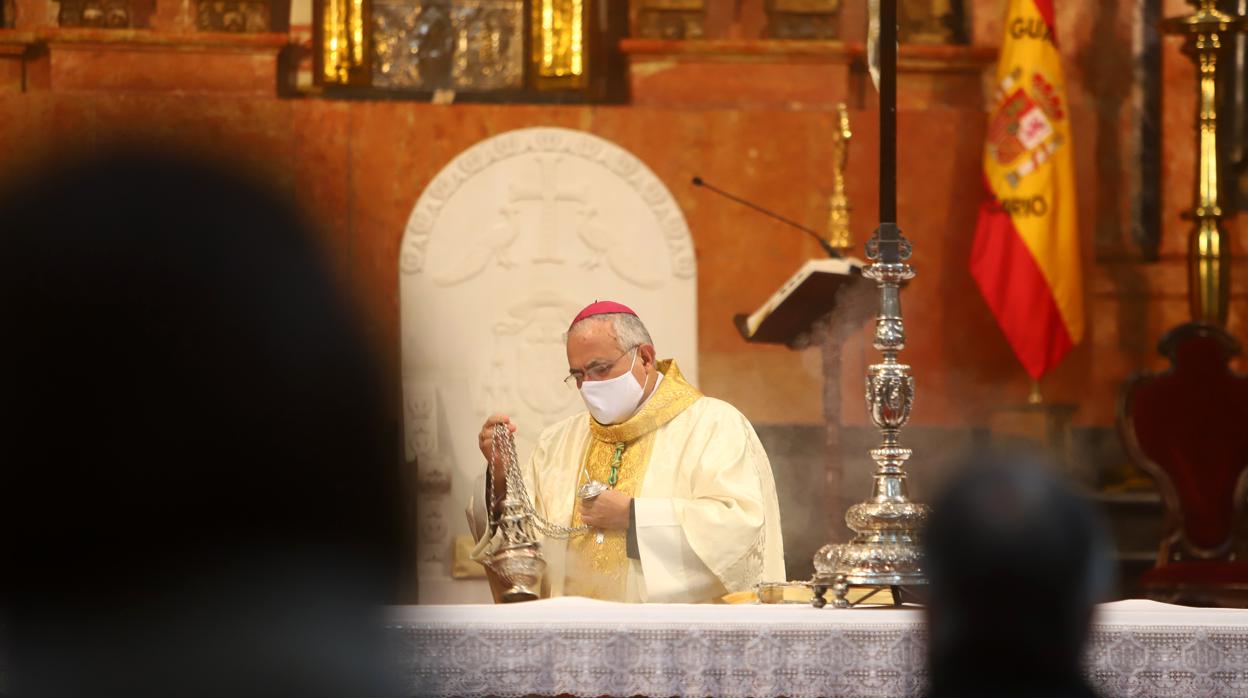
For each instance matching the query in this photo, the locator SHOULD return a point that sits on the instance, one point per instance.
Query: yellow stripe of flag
(1028, 159)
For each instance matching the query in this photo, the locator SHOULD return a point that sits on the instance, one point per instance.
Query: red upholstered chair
(1188, 428)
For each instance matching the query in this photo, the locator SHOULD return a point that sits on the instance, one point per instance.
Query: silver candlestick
(885, 553)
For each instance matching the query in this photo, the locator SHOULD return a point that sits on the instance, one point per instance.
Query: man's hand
(608, 511)
(486, 441)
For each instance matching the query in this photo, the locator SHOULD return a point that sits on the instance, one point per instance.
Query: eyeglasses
(595, 371)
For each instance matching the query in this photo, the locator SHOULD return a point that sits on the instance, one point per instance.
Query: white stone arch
(505, 244)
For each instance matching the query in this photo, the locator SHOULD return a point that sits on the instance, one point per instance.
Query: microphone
(832, 251)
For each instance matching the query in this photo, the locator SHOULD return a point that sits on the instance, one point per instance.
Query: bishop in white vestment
(690, 513)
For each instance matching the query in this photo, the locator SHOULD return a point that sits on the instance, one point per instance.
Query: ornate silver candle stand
(885, 553)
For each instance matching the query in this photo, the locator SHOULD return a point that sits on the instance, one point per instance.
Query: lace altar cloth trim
(810, 653)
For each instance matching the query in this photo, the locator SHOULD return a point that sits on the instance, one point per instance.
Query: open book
(805, 297)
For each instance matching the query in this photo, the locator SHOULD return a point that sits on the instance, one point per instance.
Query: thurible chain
(505, 443)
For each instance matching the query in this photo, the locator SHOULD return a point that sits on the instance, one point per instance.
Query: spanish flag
(1025, 257)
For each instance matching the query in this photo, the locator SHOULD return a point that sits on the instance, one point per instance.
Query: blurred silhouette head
(197, 470)
(1016, 561)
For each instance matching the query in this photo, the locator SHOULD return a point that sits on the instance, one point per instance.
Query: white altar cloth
(592, 648)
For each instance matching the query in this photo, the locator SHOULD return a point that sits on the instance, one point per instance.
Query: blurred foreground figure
(1016, 562)
(197, 482)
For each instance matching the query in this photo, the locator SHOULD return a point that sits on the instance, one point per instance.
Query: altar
(578, 647)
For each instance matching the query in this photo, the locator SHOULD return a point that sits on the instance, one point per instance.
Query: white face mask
(614, 400)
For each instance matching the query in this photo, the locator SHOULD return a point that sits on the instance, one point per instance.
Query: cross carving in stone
(549, 195)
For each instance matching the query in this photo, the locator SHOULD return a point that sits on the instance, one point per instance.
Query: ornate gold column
(559, 43)
(838, 204)
(344, 40)
(1208, 33)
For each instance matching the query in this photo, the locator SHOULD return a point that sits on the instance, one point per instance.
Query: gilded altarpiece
(462, 45)
(342, 34)
(559, 45)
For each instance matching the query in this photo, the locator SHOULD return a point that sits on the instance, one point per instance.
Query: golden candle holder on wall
(1207, 32)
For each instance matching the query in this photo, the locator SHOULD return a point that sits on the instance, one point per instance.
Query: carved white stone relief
(547, 192)
(553, 152)
(419, 420)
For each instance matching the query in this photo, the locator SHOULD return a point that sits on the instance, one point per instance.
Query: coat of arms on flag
(1024, 124)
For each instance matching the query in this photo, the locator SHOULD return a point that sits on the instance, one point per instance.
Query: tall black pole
(888, 111)
(888, 233)
(885, 551)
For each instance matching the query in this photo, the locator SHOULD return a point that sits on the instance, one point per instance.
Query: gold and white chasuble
(707, 518)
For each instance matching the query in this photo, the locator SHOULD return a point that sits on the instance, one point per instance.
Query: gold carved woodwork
(462, 45)
(343, 42)
(459, 45)
(559, 43)
(1209, 33)
(838, 205)
(670, 19)
(803, 19)
(8, 12)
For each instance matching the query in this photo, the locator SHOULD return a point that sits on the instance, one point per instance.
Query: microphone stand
(827, 247)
